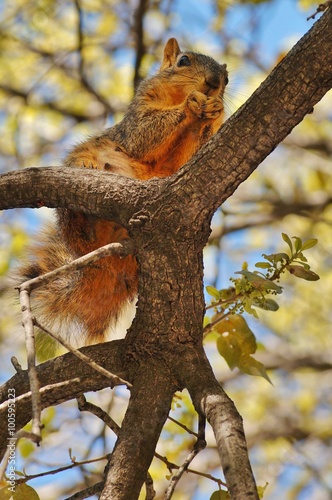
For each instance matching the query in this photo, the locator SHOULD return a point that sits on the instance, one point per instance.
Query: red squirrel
(171, 116)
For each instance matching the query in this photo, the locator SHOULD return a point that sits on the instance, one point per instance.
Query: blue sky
(280, 20)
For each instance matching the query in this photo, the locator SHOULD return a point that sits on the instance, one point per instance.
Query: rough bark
(53, 376)
(169, 222)
(147, 411)
(211, 401)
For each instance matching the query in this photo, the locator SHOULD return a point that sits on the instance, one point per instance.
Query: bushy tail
(82, 305)
(51, 303)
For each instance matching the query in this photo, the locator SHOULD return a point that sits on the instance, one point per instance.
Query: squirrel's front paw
(203, 106)
(213, 108)
(196, 102)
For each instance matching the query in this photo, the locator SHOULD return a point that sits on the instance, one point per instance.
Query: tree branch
(61, 379)
(140, 47)
(81, 66)
(290, 92)
(113, 379)
(299, 81)
(80, 189)
(211, 401)
(28, 325)
(150, 402)
(199, 446)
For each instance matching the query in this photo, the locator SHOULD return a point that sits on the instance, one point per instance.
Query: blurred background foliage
(69, 68)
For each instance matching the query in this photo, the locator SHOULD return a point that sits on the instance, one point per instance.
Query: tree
(169, 224)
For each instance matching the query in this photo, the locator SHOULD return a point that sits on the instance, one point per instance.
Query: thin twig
(16, 364)
(81, 66)
(13, 441)
(29, 322)
(84, 405)
(139, 32)
(208, 476)
(88, 492)
(199, 446)
(115, 380)
(42, 391)
(60, 469)
(28, 325)
(182, 426)
(224, 302)
(208, 328)
(122, 249)
(321, 8)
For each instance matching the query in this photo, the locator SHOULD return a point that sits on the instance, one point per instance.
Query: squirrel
(172, 114)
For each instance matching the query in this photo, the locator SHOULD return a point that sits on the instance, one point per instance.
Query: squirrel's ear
(171, 51)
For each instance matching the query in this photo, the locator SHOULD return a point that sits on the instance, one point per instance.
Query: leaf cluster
(253, 289)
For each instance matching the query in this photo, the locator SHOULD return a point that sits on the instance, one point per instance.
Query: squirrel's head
(193, 71)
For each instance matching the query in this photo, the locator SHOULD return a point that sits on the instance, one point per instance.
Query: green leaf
(287, 239)
(227, 293)
(281, 256)
(229, 350)
(309, 243)
(220, 495)
(25, 492)
(26, 448)
(235, 339)
(259, 282)
(298, 243)
(301, 272)
(263, 265)
(270, 257)
(237, 326)
(211, 290)
(300, 256)
(261, 490)
(267, 305)
(247, 305)
(251, 366)
(5, 493)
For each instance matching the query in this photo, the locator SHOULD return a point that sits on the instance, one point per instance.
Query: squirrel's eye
(226, 80)
(184, 61)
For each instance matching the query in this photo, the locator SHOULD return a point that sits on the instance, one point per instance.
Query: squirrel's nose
(213, 80)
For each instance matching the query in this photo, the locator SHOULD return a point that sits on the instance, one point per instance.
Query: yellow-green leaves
(224, 495)
(297, 262)
(19, 492)
(220, 495)
(235, 339)
(261, 490)
(236, 342)
(211, 290)
(252, 290)
(303, 272)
